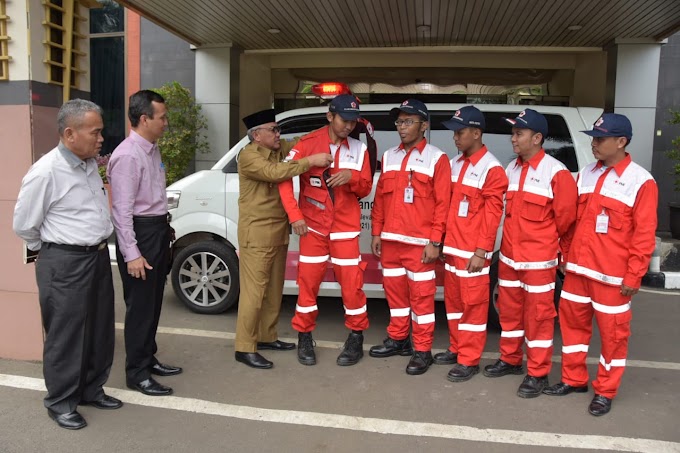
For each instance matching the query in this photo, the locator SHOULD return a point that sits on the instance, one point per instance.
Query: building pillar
(217, 91)
(632, 79)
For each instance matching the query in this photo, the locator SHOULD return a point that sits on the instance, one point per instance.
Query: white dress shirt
(62, 201)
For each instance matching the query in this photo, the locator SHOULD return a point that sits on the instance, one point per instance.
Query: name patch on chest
(315, 181)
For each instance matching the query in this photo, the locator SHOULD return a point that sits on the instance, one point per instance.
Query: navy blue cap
(530, 119)
(258, 118)
(611, 125)
(345, 105)
(468, 116)
(413, 107)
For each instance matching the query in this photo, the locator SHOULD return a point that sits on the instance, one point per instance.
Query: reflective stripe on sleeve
(403, 238)
(604, 278)
(462, 253)
(528, 265)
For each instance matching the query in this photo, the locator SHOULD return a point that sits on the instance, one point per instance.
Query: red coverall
(478, 184)
(405, 229)
(333, 217)
(540, 211)
(599, 263)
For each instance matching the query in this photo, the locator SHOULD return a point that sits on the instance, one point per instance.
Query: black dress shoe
(392, 347)
(150, 387)
(105, 402)
(306, 354)
(532, 386)
(600, 405)
(561, 389)
(352, 350)
(160, 369)
(253, 359)
(277, 345)
(72, 420)
(462, 373)
(446, 358)
(501, 368)
(419, 363)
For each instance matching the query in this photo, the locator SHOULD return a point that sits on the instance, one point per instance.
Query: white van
(204, 205)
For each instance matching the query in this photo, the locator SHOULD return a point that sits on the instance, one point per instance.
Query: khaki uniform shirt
(262, 221)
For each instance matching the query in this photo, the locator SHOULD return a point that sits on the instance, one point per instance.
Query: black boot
(532, 386)
(419, 363)
(446, 358)
(392, 347)
(501, 368)
(353, 350)
(306, 355)
(600, 405)
(462, 373)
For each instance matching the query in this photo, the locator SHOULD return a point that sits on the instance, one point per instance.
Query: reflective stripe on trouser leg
(474, 292)
(349, 272)
(421, 286)
(396, 290)
(576, 325)
(510, 314)
(613, 316)
(453, 303)
(539, 319)
(311, 270)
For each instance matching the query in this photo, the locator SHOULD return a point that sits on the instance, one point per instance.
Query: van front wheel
(205, 277)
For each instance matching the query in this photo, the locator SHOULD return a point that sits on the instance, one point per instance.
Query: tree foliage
(674, 153)
(185, 134)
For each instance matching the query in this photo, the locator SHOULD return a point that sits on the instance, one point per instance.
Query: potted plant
(102, 163)
(184, 136)
(674, 155)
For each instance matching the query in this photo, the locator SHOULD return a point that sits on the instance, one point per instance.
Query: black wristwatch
(436, 244)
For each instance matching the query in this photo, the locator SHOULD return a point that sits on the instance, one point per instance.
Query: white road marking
(373, 425)
(338, 344)
(665, 293)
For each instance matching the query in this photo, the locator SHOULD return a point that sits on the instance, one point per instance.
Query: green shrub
(674, 153)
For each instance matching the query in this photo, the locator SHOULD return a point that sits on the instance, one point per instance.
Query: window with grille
(63, 41)
(4, 51)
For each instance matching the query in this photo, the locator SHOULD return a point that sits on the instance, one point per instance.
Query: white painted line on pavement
(374, 425)
(664, 293)
(338, 344)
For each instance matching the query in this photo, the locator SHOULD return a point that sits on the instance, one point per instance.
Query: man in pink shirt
(140, 217)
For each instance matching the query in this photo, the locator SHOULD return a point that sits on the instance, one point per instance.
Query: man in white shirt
(62, 211)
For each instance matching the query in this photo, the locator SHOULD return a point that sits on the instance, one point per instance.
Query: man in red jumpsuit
(539, 215)
(328, 220)
(478, 183)
(609, 255)
(409, 218)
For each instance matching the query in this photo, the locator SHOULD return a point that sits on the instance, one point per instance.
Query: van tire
(215, 294)
(493, 321)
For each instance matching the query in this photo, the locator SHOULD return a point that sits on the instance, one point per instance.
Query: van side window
(558, 144)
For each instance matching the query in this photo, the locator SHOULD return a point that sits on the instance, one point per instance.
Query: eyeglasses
(408, 123)
(274, 129)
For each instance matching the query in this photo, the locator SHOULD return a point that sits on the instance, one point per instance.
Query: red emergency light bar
(331, 89)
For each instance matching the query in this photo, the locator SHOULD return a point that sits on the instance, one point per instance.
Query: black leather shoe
(160, 369)
(532, 386)
(277, 345)
(561, 389)
(392, 347)
(446, 358)
(253, 359)
(306, 354)
(150, 387)
(419, 363)
(462, 373)
(600, 405)
(105, 402)
(72, 420)
(352, 351)
(501, 368)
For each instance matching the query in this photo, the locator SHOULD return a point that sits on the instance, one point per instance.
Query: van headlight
(173, 198)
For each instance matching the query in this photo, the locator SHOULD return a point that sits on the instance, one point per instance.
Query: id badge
(463, 208)
(408, 195)
(602, 223)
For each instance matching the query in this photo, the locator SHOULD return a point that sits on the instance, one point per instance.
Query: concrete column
(632, 79)
(217, 82)
(257, 94)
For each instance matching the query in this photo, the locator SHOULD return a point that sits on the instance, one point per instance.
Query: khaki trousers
(261, 276)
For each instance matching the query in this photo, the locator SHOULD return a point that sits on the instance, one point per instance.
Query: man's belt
(77, 248)
(163, 218)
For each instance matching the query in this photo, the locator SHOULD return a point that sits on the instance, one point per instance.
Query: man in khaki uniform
(263, 235)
